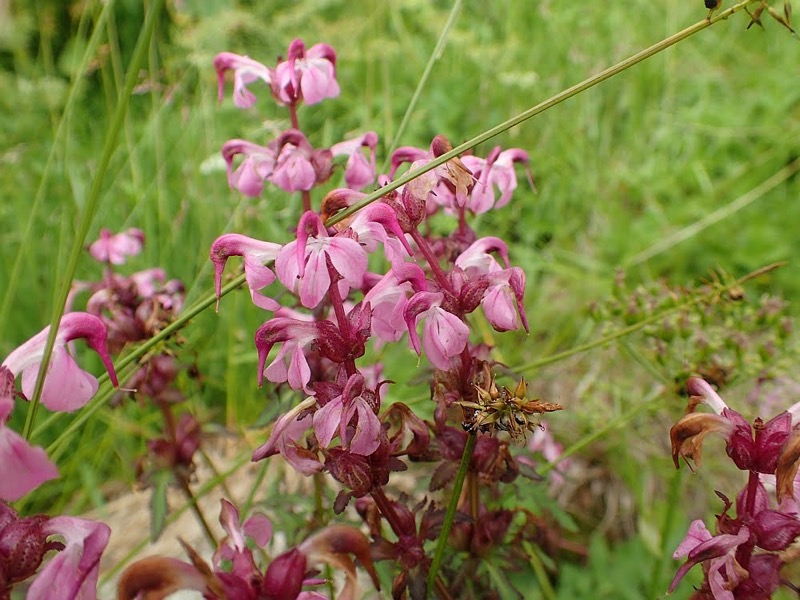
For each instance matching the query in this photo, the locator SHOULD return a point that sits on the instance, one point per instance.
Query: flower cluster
(328, 306)
(744, 557)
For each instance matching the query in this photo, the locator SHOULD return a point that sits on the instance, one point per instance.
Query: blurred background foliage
(676, 175)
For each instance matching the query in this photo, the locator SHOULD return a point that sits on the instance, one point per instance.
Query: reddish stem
(423, 246)
(387, 510)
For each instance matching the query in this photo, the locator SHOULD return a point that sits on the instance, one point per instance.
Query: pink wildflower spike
(294, 335)
(307, 75)
(66, 386)
(72, 573)
(114, 249)
(255, 253)
(22, 467)
(303, 263)
(246, 71)
(373, 224)
(283, 440)
(257, 166)
(444, 335)
(358, 172)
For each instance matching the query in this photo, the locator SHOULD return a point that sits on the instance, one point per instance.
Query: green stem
(540, 108)
(92, 203)
(447, 524)
(435, 55)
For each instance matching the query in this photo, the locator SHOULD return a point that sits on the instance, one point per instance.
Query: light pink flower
(66, 386)
(503, 300)
(444, 335)
(22, 467)
(257, 166)
(146, 281)
(388, 298)
(496, 171)
(309, 75)
(477, 259)
(290, 364)
(302, 264)
(334, 417)
(114, 249)
(358, 172)
(72, 573)
(283, 440)
(245, 71)
(255, 253)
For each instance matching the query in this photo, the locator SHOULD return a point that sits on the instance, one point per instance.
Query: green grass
(620, 172)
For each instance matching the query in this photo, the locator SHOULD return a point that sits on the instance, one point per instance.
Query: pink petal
(327, 420)
(22, 467)
(66, 388)
(72, 573)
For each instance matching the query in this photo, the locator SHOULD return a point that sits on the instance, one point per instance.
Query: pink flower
(309, 76)
(283, 440)
(257, 166)
(303, 263)
(496, 171)
(289, 161)
(233, 547)
(255, 253)
(388, 298)
(114, 249)
(444, 335)
(334, 417)
(66, 386)
(246, 71)
(358, 172)
(290, 364)
(73, 572)
(22, 467)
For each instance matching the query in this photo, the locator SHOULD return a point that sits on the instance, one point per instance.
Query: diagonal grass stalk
(92, 202)
(541, 107)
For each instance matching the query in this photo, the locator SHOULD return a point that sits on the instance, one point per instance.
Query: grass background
(621, 171)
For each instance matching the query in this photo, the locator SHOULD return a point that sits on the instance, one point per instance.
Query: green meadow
(675, 177)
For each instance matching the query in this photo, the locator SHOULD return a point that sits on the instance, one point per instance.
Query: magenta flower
(496, 171)
(66, 386)
(245, 71)
(388, 298)
(148, 281)
(333, 418)
(283, 440)
(114, 249)
(290, 364)
(359, 172)
(73, 572)
(255, 253)
(257, 166)
(303, 263)
(444, 334)
(309, 76)
(22, 467)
